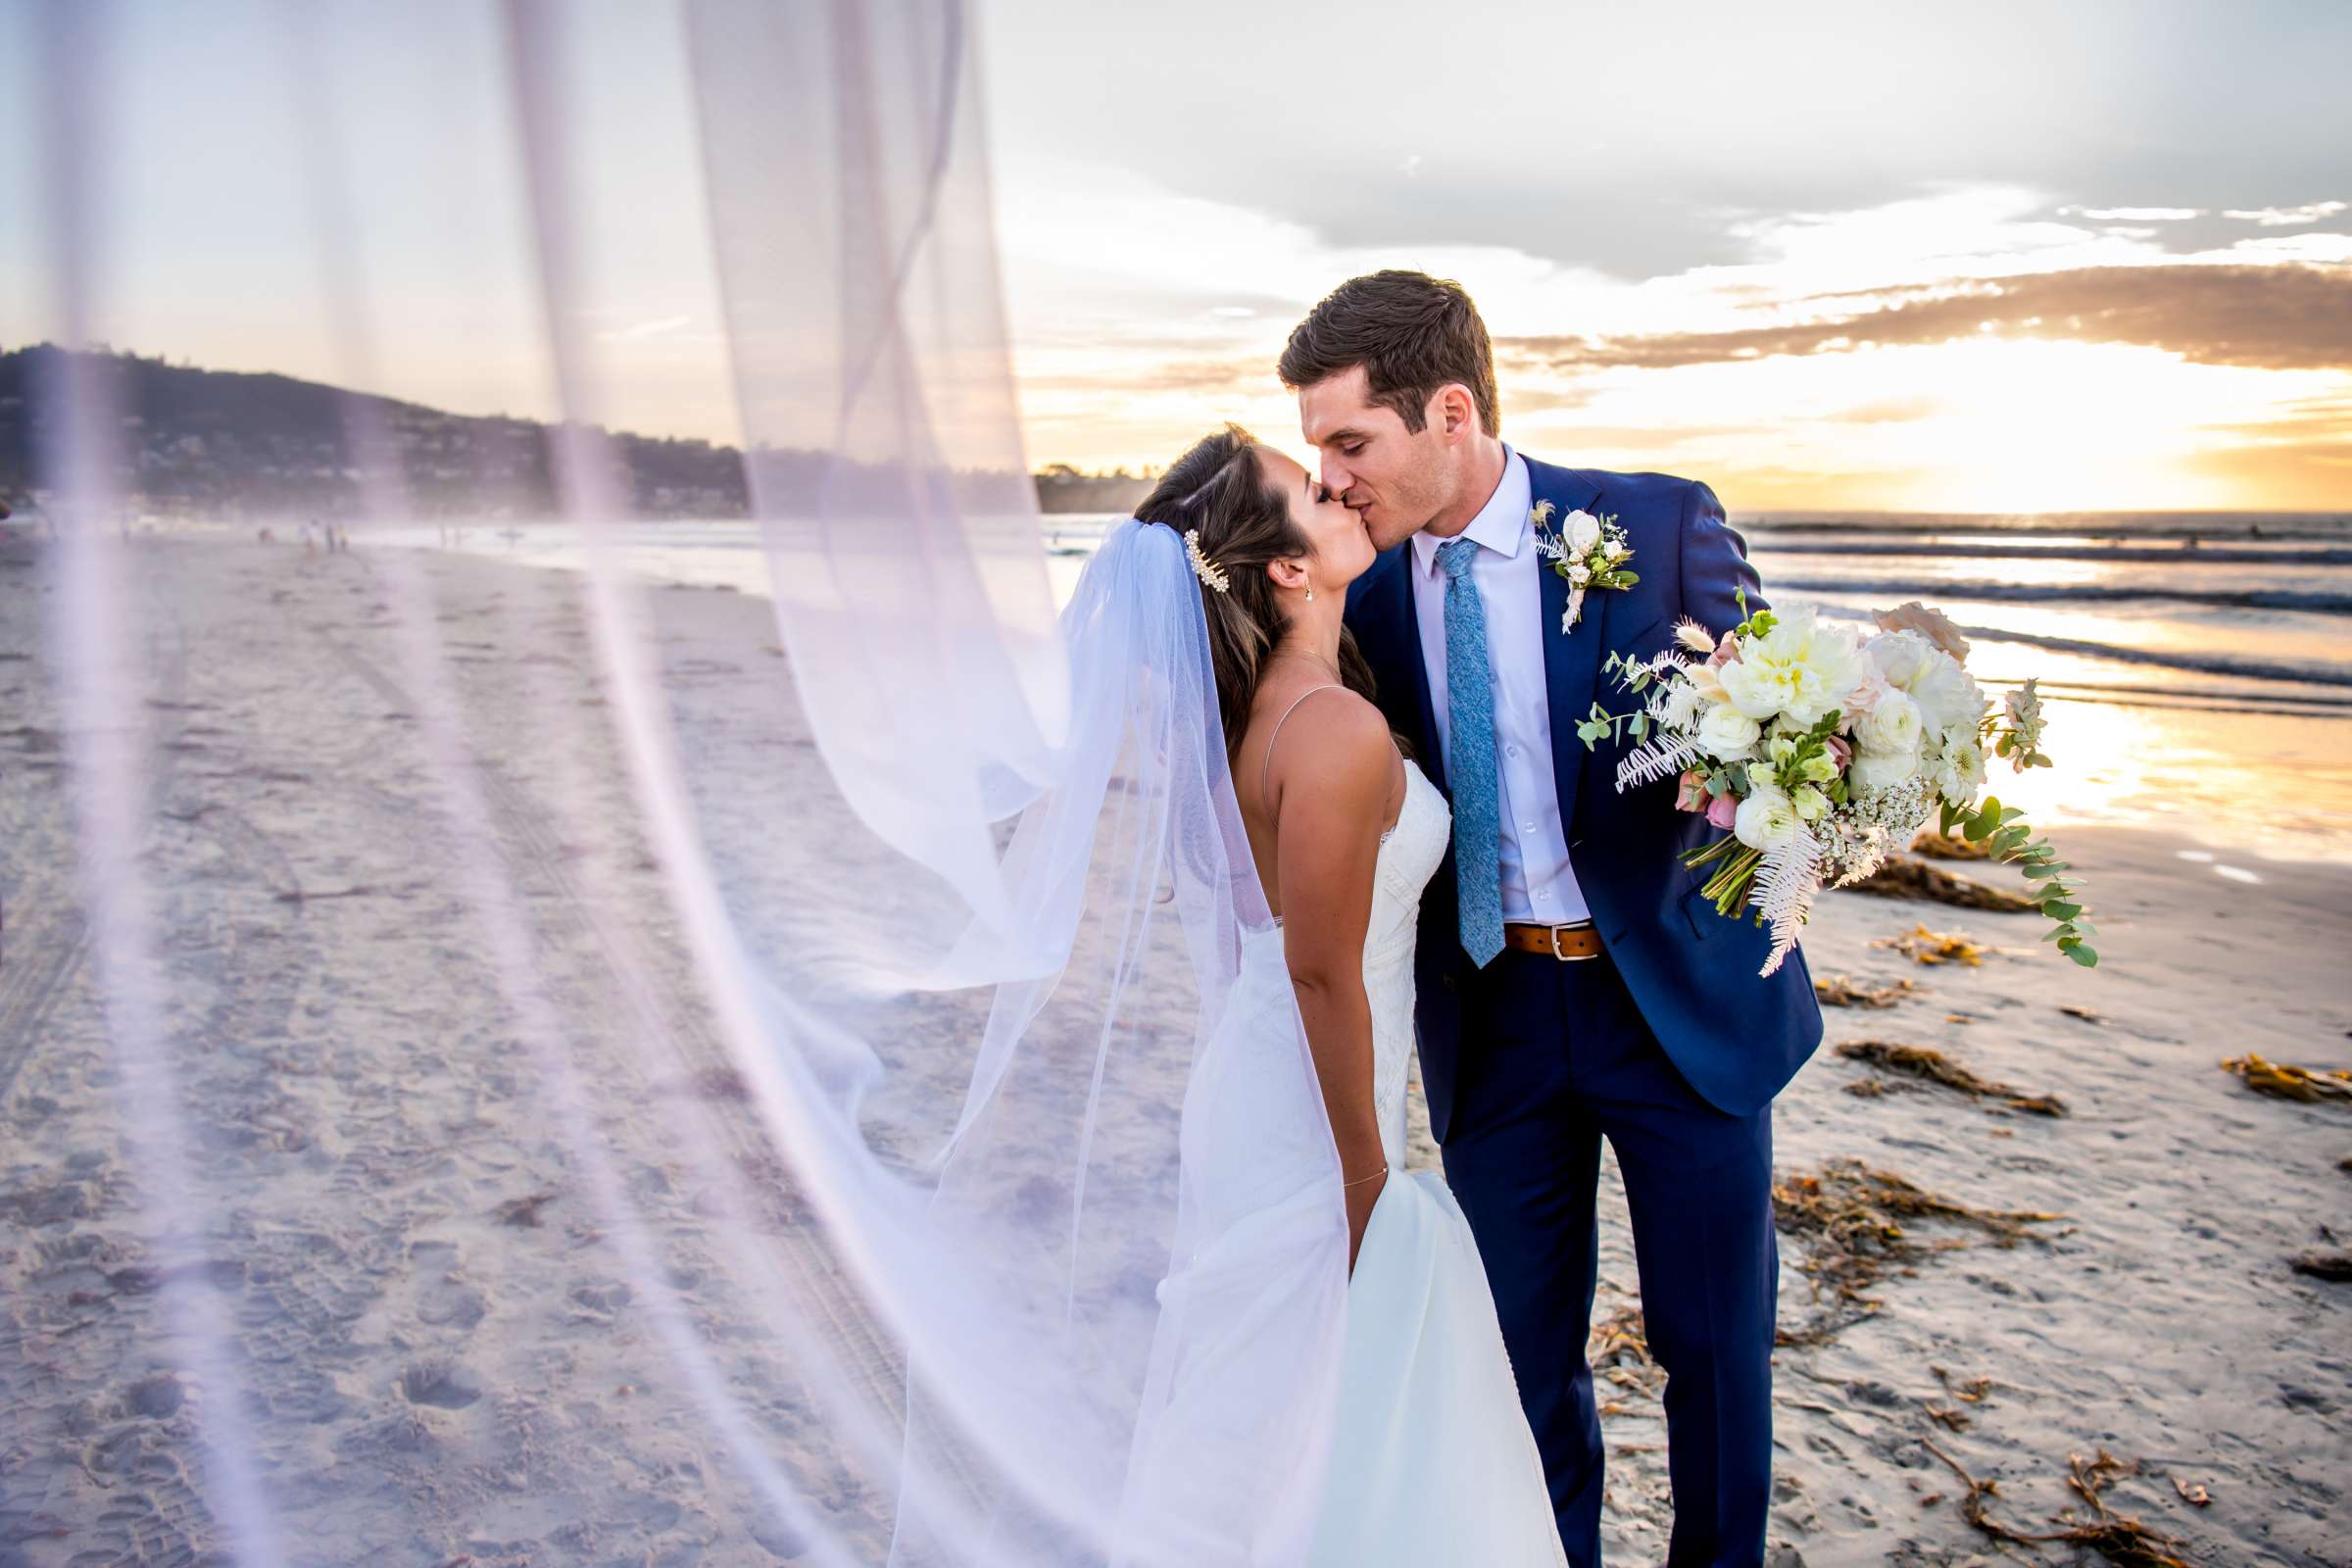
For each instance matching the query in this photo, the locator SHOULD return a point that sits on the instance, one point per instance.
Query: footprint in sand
(443, 1297)
(599, 1301)
(440, 1383)
(158, 1397)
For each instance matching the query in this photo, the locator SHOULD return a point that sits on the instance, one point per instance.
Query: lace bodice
(1409, 855)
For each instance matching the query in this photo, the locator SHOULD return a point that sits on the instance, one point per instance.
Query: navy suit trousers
(1554, 1058)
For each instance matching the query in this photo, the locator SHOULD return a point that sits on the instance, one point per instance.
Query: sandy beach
(419, 1273)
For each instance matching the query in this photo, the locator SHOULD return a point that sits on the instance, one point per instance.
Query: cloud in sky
(2285, 317)
(1622, 140)
(2133, 214)
(1659, 220)
(1966, 347)
(2289, 217)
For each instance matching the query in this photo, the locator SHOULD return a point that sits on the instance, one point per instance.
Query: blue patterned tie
(1470, 765)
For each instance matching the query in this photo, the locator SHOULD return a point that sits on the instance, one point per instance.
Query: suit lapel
(1392, 616)
(1408, 611)
(1571, 659)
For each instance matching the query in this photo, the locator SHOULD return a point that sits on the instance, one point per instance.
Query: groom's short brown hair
(1411, 332)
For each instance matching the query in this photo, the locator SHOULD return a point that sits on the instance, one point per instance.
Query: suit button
(1447, 981)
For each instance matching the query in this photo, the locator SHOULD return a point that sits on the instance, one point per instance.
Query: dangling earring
(1310, 593)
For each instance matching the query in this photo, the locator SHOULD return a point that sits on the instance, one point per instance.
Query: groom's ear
(1454, 412)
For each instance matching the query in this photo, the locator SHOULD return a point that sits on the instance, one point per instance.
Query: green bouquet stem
(1728, 888)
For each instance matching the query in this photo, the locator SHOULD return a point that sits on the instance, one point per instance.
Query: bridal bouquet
(1822, 752)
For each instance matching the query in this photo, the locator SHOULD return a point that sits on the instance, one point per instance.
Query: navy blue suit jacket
(1736, 1037)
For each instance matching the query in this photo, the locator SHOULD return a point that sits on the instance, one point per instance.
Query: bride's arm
(1330, 789)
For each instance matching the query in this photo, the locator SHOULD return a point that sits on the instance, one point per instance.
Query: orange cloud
(2283, 316)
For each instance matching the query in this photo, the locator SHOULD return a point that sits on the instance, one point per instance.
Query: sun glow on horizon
(2019, 416)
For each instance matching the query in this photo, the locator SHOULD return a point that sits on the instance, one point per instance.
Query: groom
(1573, 984)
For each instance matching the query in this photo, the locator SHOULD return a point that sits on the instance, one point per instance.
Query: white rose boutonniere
(1587, 551)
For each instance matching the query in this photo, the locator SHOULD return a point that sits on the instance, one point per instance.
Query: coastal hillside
(232, 446)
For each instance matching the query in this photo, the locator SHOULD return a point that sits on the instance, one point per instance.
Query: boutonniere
(1589, 551)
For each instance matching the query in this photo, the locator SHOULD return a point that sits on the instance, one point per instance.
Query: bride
(1432, 1461)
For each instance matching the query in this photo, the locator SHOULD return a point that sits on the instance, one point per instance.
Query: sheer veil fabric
(1064, 1271)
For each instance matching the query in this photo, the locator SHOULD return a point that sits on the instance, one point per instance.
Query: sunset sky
(1990, 257)
(1993, 258)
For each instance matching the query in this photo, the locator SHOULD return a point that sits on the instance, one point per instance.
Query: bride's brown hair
(1221, 488)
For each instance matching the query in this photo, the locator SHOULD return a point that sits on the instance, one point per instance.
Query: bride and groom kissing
(1399, 678)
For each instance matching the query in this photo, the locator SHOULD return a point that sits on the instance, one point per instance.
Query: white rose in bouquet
(1946, 694)
(1898, 656)
(1876, 772)
(1950, 697)
(1765, 818)
(1892, 724)
(1865, 692)
(1799, 669)
(1727, 734)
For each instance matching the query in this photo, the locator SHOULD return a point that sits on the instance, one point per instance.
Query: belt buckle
(1559, 926)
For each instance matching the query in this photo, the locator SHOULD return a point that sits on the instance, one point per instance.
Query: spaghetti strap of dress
(1265, 773)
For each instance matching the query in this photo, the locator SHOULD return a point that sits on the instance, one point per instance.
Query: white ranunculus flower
(1893, 723)
(1578, 573)
(1799, 669)
(1765, 818)
(1727, 733)
(1582, 531)
(1960, 770)
(1873, 772)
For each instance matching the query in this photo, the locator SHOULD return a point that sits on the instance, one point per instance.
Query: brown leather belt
(1566, 943)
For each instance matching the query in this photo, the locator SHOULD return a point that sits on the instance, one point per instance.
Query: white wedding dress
(1433, 1461)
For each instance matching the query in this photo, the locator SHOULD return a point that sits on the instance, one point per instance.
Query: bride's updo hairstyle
(1219, 489)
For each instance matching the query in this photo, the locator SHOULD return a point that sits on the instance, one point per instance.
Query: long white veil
(896, 1157)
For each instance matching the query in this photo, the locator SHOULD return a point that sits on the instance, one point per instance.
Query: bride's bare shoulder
(1332, 737)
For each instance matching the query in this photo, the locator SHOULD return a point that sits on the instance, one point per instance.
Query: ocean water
(2197, 665)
